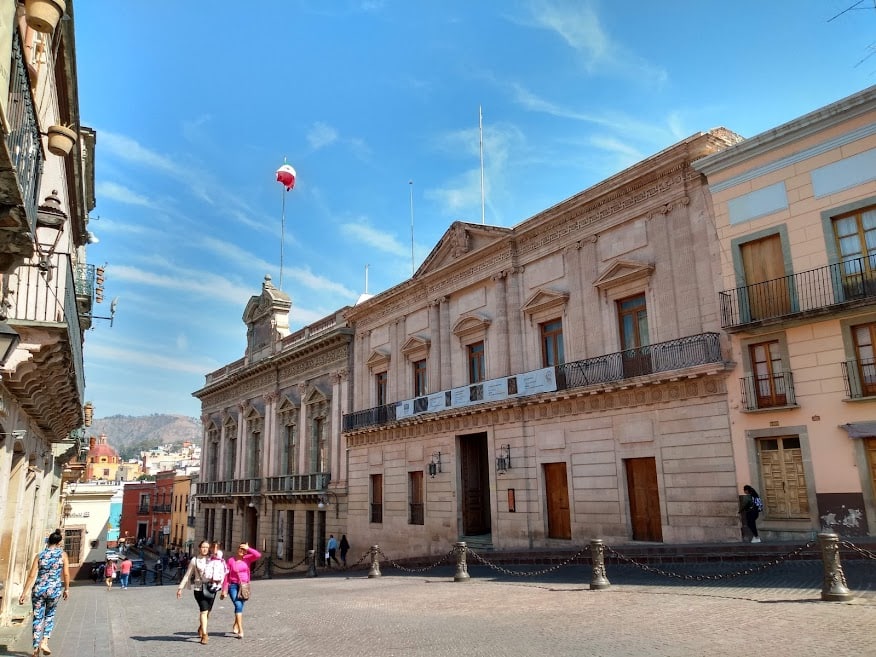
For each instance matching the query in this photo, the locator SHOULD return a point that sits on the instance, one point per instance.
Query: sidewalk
(521, 612)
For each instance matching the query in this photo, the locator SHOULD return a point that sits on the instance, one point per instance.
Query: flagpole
(481, 133)
(411, 185)
(282, 236)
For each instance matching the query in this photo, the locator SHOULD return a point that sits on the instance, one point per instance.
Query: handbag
(243, 591)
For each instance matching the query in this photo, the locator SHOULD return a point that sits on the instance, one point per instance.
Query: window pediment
(471, 325)
(315, 396)
(416, 347)
(623, 271)
(378, 360)
(545, 300)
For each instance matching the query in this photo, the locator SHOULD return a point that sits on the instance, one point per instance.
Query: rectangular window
(420, 378)
(318, 454)
(864, 336)
(415, 494)
(255, 454)
(73, 545)
(144, 503)
(376, 498)
(855, 235)
(476, 364)
(291, 463)
(769, 381)
(632, 315)
(380, 380)
(230, 451)
(552, 343)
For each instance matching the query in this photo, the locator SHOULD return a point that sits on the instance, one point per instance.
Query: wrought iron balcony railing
(248, 486)
(604, 370)
(814, 290)
(774, 391)
(298, 483)
(23, 140)
(860, 378)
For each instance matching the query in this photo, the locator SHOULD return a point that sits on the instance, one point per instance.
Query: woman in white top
(198, 576)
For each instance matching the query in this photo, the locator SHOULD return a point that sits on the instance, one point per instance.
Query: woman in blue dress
(50, 576)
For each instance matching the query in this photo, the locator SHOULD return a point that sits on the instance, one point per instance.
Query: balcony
(298, 484)
(229, 487)
(21, 165)
(143, 510)
(809, 293)
(860, 378)
(45, 314)
(602, 371)
(85, 277)
(763, 392)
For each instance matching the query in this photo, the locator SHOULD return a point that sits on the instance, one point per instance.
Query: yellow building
(103, 460)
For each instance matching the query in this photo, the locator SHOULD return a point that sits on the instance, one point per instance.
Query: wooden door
(557, 494)
(768, 292)
(644, 499)
(769, 381)
(475, 479)
(632, 315)
(781, 463)
(870, 447)
(864, 336)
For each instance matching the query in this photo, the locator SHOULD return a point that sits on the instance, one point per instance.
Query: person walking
(750, 506)
(109, 573)
(198, 577)
(237, 582)
(49, 575)
(125, 571)
(332, 549)
(344, 547)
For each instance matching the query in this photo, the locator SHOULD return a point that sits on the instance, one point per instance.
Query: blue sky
(197, 103)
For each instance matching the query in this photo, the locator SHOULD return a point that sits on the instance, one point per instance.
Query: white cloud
(369, 236)
(321, 135)
(148, 359)
(198, 283)
(578, 24)
(115, 192)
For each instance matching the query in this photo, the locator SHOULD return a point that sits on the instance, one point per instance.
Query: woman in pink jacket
(239, 574)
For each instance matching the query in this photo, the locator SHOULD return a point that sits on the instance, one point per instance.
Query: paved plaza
(776, 612)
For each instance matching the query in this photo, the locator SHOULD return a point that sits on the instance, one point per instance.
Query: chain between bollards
(833, 587)
(598, 579)
(375, 562)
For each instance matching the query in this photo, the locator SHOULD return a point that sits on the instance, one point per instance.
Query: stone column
(446, 352)
(435, 383)
(503, 346)
(515, 320)
(304, 445)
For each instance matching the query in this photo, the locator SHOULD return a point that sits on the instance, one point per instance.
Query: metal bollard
(311, 564)
(598, 580)
(375, 562)
(268, 567)
(833, 587)
(461, 565)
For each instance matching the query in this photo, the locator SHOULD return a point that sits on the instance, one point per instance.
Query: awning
(860, 429)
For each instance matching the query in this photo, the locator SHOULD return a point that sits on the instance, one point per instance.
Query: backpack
(757, 503)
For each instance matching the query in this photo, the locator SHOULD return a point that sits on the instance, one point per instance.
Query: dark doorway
(557, 493)
(475, 484)
(644, 499)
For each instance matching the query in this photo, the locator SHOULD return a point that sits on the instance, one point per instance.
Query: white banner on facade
(517, 385)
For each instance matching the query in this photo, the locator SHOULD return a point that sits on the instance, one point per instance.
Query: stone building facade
(542, 385)
(795, 210)
(273, 463)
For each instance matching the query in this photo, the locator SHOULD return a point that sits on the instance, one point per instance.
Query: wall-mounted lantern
(435, 464)
(503, 459)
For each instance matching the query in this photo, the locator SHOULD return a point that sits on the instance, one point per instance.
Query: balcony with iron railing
(298, 483)
(860, 378)
(21, 162)
(812, 292)
(43, 301)
(143, 510)
(764, 392)
(602, 371)
(230, 487)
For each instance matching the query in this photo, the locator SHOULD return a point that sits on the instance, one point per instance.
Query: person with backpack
(750, 507)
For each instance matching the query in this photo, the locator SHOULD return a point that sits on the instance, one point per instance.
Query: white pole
(366, 278)
(411, 185)
(282, 236)
(481, 133)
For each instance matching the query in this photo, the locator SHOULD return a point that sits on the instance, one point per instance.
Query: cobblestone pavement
(776, 612)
